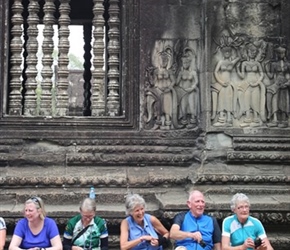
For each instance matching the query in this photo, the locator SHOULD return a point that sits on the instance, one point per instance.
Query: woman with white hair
(139, 230)
(242, 231)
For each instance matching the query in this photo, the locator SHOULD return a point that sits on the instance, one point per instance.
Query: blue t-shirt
(205, 224)
(135, 232)
(42, 239)
(238, 232)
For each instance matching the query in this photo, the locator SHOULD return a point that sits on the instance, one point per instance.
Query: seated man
(193, 230)
(242, 231)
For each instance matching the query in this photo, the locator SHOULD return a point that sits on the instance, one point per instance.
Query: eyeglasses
(88, 216)
(36, 200)
(246, 207)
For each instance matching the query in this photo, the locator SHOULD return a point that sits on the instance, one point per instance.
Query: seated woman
(138, 229)
(35, 230)
(242, 231)
(2, 233)
(86, 230)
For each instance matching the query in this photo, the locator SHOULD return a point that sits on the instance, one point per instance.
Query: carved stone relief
(251, 84)
(278, 92)
(172, 86)
(250, 81)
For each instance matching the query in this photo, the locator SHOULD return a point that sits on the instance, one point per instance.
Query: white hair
(133, 200)
(237, 198)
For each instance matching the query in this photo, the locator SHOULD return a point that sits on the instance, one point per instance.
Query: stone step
(271, 206)
(279, 241)
(171, 198)
(167, 199)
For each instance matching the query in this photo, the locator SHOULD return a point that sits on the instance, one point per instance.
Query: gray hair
(88, 204)
(237, 198)
(39, 204)
(133, 200)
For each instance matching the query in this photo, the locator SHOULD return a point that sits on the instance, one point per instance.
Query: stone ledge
(278, 241)
(270, 206)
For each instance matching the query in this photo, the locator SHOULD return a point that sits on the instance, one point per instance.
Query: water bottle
(92, 193)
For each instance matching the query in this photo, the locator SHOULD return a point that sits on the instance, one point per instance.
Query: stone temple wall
(202, 100)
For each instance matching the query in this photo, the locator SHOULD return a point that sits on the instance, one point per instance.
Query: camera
(257, 242)
(202, 244)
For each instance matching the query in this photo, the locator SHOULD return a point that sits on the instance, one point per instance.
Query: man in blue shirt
(195, 230)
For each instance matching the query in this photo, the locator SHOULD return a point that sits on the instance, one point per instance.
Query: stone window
(62, 59)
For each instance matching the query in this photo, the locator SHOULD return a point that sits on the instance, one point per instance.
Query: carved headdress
(227, 41)
(163, 48)
(279, 49)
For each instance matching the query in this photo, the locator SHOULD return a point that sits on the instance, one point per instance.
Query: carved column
(98, 88)
(47, 48)
(30, 97)
(63, 46)
(87, 69)
(15, 96)
(113, 99)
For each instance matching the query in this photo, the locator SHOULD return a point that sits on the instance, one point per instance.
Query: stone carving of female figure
(161, 96)
(252, 90)
(187, 89)
(278, 99)
(223, 90)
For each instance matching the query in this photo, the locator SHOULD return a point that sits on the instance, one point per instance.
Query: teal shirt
(238, 232)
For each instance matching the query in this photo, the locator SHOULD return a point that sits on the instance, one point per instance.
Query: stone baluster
(15, 95)
(113, 99)
(98, 86)
(87, 69)
(30, 98)
(62, 98)
(47, 60)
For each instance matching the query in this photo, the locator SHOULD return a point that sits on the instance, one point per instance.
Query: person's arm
(104, 243)
(67, 238)
(217, 246)
(163, 238)
(55, 243)
(159, 227)
(177, 234)
(104, 235)
(53, 234)
(226, 244)
(216, 73)
(15, 243)
(66, 244)
(2, 238)
(265, 245)
(216, 235)
(124, 243)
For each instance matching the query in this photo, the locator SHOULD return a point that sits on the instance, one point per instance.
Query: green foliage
(75, 62)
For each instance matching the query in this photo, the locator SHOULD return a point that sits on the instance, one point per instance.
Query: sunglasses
(36, 200)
